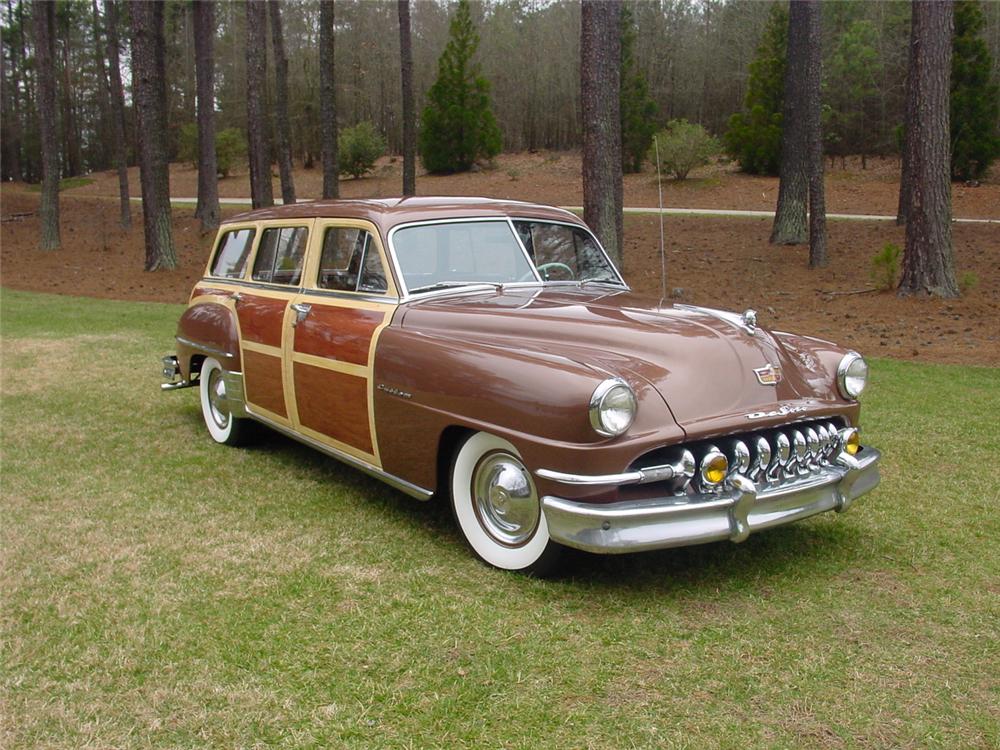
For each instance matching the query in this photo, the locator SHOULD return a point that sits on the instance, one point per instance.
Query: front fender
(538, 401)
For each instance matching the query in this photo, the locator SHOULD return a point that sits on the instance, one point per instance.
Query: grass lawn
(162, 591)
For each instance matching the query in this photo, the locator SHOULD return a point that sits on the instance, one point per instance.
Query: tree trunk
(928, 264)
(12, 139)
(118, 113)
(149, 94)
(814, 78)
(328, 101)
(282, 127)
(790, 227)
(103, 106)
(409, 110)
(70, 125)
(44, 21)
(207, 208)
(600, 85)
(257, 136)
(910, 115)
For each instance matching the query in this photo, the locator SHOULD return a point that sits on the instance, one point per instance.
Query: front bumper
(734, 513)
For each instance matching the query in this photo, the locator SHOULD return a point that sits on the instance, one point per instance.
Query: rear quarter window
(232, 253)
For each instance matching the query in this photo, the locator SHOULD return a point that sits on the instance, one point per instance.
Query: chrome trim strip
(202, 347)
(741, 508)
(385, 299)
(391, 479)
(683, 467)
(235, 396)
(728, 317)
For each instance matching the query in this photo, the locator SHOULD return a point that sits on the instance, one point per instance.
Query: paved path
(667, 211)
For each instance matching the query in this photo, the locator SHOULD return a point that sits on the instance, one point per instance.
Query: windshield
(436, 256)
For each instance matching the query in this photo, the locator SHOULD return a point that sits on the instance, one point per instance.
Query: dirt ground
(723, 262)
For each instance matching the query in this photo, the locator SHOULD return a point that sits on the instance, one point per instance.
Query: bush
(458, 126)
(359, 148)
(968, 281)
(975, 97)
(230, 147)
(885, 267)
(683, 146)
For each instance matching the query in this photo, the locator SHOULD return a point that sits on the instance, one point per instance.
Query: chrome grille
(772, 455)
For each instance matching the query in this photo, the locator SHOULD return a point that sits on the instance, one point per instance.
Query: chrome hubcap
(505, 500)
(218, 405)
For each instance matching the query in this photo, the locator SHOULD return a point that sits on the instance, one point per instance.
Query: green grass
(66, 183)
(161, 591)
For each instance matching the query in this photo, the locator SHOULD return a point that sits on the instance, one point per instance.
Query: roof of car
(389, 212)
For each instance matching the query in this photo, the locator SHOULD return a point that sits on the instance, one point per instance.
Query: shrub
(975, 97)
(458, 126)
(683, 146)
(885, 267)
(968, 281)
(230, 147)
(359, 148)
(754, 136)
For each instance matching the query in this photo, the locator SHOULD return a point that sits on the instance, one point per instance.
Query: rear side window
(350, 262)
(280, 255)
(231, 257)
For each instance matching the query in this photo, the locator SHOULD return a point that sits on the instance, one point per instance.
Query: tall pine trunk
(409, 109)
(259, 142)
(817, 194)
(282, 126)
(44, 22)
(928, 263)
(12, 136)
(70, 123)
(118, 128)
(328, 101)
(103, 105)
(600, 88)
(149, 93)
(790, 226)
(910, 115)
(207, 208)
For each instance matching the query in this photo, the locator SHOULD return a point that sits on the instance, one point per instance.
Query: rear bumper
(733, 514)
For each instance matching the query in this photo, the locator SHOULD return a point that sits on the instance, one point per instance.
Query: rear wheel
(222, 425)
(497, 507)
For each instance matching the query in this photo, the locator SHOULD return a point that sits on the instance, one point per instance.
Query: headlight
(612, 407)
(852, 375)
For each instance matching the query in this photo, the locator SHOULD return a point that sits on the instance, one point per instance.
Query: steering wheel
(546, 267)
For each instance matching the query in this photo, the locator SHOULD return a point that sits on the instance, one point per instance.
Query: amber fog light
(714, 467)
(851, 440)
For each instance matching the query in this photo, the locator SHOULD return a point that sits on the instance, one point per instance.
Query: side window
(231, 257)
(280, 255)
(350, 262)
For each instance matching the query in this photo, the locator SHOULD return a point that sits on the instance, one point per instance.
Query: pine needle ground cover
(161, 591)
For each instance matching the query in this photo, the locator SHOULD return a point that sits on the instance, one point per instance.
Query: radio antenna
(663, 252)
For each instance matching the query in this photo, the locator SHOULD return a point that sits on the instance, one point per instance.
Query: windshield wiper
(454, 284)
(600, 280)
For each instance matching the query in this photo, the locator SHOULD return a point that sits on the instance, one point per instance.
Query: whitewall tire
(497, 507)
(222, 425)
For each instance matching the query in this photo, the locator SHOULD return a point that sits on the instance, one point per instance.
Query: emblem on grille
(768, 374)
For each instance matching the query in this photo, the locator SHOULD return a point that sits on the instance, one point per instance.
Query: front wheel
(497, 507)
(222, 425)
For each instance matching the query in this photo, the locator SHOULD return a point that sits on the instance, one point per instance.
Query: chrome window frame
(406, 296)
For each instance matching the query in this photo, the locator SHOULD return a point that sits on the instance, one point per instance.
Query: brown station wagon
(490, 352)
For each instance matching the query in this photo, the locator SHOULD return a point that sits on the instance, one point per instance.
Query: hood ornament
(749, 320)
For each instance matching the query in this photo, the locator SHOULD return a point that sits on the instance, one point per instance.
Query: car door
(262, 306)
(349, 296)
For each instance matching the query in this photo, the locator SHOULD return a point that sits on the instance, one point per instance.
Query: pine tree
(458, 126)
(975, 99)
(754, 136)
(638, 109)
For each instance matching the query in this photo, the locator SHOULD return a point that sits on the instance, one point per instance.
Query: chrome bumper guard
(743, 507)
(171, 371)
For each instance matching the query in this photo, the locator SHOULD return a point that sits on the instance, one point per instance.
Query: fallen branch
(16, 217)
(847, 294)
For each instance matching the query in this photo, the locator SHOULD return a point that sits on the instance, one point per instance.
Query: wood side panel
(333, 403)
(341, 333)
(261, 318)
(262, 381)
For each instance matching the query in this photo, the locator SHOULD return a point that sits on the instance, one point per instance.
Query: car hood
(701, 361)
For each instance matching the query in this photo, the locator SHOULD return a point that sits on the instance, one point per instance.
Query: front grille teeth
(766, 457)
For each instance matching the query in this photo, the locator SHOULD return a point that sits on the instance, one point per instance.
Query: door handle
(301, 311)
(236, 297)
